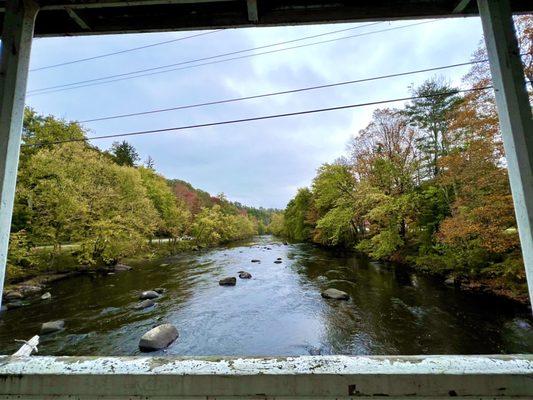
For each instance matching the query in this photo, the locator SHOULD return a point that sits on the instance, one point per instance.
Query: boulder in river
(144, 304)
(13, 295)
(121, 268)
(245, 275)
(149, 294)
(163, 265)
(46, 296)
(29, 290)
(158, 338)
(450, 281)
(52, 326)
(278, 262)
(335, 294)
(256, 261)
(229, 281)
(278, 259)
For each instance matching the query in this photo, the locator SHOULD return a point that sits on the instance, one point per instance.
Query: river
(277, 312)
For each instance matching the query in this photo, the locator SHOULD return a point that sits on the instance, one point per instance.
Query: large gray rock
(335, 294)
(121, 268)
(52, 326)
(144, 304)
(31, 289)
(245, 275)
(149, 294)
(158, 338)
(229, 281)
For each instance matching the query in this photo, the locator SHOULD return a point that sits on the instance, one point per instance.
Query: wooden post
(17, 36)
(514, 112)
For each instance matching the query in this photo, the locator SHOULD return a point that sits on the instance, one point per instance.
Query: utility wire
(259, 118)
(124, 76)
(79, 60)
(258, 96)
(127, 74)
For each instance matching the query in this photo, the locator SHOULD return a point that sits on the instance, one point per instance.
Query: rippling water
(277, 312)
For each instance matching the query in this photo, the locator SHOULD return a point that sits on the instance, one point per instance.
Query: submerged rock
(335, 294)
(229, 281)
(160, 290)
(46, 296)
(144, 304)
(158, 338)
(149, 294)
(163, 265)
(16, 304)
(256, 261)
(121, 268)
(245, 275)
(30, 289)
(52, 326)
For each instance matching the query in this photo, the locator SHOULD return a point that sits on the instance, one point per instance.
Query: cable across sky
(114, 53)
(157, 70)
(258, 118)
(258, 96)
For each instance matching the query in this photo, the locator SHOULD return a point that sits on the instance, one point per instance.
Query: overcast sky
(257, 163)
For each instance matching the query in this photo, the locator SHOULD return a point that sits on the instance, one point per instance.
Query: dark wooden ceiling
(82, 17)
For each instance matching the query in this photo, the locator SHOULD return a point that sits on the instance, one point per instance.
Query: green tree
(430, 113)
(124, 153)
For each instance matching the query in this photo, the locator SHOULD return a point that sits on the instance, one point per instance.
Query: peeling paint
(519, 364)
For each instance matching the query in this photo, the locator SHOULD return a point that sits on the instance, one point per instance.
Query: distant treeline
(425, 185)
(107, 203)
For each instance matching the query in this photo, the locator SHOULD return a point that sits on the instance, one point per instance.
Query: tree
(430, 112)
(150, 163)
(298, 216)
(124, 153)
(174, 216)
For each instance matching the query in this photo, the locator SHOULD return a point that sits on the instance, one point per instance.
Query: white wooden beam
(514, 112)
(17, 36)
(302, 378)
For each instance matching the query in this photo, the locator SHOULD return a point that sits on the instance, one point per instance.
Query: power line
(259, 118)
(79, 60)
(128, 74)
(258, 96)
(125, 76)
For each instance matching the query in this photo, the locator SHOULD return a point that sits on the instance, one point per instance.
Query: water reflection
(277, 312)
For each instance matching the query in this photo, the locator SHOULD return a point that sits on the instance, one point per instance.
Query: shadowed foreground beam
(15, 58)
(514, 111)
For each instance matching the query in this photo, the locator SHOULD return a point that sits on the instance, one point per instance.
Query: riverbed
(278, 312)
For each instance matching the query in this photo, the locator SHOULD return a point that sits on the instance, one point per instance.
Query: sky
(260, 163)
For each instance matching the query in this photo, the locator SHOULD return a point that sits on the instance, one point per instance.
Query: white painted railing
(316, 377)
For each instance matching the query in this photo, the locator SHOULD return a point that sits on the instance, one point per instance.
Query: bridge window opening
(325, 204)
